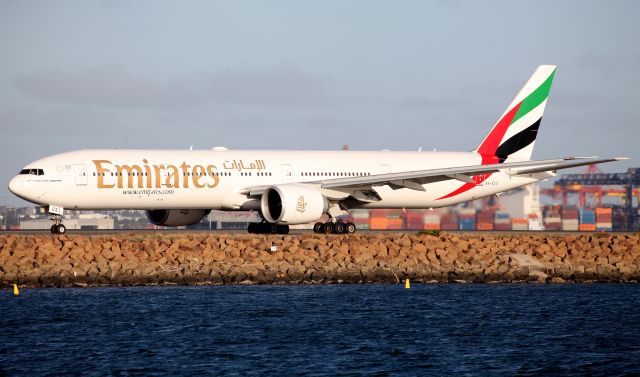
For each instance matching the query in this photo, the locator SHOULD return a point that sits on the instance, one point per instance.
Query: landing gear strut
(57, 227)
(267, 228)
(338, 227)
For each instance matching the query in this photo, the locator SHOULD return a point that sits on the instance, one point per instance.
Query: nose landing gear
(57, 227)
(56, 216)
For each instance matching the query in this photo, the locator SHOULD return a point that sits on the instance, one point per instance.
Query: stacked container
(552, 219)
(449, 221)
(570, 219)
(484, 220)
(378, 219)
(502, 221)
(587, 220)
(467, 218)
(395, 220)
(360, 218)
(431, 220)
(604, 219)
(413, 219)
(519, 224)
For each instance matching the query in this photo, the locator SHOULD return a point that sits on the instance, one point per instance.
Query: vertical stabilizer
(514, 135)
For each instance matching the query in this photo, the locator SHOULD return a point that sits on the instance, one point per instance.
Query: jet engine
(292, 204)
(176, 217)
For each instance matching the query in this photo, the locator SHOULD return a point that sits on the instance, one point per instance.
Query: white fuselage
(211, 179)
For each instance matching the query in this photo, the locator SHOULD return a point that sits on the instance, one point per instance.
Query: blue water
(323, 330)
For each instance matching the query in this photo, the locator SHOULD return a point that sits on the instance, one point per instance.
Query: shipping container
(378, 223)
(587, 216)
(502, 226)
(395, 223)
(587, 227)
(570, 224)
(520, 224)
(360, 214)
(449, 226)
(484, 226)
(569, 214)
(467, 224)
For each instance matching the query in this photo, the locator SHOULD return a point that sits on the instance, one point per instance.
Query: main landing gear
(57, 227)
(338, 227)
(267, 228)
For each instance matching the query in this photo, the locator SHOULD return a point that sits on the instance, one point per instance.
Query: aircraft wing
(415, 179)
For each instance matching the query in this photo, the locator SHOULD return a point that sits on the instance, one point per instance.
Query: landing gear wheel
(328, 227)
(283, 229)
(273, 229)
(350, 228)
(54, 229)
(62, 229)
(339, 228)
(317, 227)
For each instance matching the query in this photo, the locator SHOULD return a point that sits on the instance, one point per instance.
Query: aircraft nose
(14, 186)
(17, 186)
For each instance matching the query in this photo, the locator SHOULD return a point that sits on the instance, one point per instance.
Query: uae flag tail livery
(513, 135)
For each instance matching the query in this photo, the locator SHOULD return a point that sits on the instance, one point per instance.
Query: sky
(311, 75)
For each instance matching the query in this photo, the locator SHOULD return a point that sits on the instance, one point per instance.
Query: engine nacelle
(176, 217)
(292, 204)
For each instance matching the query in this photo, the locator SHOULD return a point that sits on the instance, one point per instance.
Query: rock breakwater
(159, 258)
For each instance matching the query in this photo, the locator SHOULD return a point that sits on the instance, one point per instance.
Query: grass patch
(431, 232)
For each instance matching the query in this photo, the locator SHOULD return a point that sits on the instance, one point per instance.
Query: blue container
(467, 224)
(587, 216)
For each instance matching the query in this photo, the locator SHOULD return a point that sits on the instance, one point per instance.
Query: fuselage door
(80, 172)
(164, 173)
(287, 176)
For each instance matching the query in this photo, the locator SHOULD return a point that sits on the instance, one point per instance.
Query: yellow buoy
(407, 284)
(16, 292)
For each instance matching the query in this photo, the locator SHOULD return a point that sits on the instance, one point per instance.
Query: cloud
(114, 86)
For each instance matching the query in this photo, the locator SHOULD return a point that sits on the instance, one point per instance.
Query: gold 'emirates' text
(155, 176)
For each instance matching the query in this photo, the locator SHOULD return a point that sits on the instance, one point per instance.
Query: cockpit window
(32, 171)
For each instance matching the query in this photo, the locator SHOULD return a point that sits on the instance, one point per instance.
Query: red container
(502, 226)
(449, 226)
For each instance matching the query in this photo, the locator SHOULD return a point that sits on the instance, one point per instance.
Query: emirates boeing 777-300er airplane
(180, 187)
